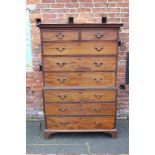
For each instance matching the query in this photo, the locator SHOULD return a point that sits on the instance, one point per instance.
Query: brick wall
(84, 11)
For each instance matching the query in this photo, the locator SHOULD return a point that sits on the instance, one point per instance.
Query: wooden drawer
(59, 35)
(79, 79)
(79, 109)
(83, 48)
(99, 34)
(79, 63)
(95, 122)
(79, 95)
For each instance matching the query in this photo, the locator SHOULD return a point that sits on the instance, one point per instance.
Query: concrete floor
(77, 143)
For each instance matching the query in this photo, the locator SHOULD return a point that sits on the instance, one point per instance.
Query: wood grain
(79, 63)
(82, 48)
(79, 75)
(59, 35)
(95, 122)
(79, 96)
(80, 109)
(101, 34)
(79, 79)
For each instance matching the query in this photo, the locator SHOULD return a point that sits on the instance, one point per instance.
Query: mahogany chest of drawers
(79, 76)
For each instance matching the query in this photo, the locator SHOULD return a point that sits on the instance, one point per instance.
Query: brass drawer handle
(60, 36)
(62, 96)
(61, 64)
(98, 79)
(60, 49)
(97, 110)
(98, 96)
(62, 109)
(98, 64)
(65, 123)
(99, 48)
(99, 35)
(61, 80)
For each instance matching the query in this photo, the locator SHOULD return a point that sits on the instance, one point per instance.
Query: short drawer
(79, 63)
(101, 34)
(79, 109)
(83, 48)
(79, 79)
(95, 122)
(93, 95)
(59, 35)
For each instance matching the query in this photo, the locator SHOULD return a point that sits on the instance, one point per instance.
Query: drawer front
(85, 48)
(80, 79)
(59, 35)
(95, 122)
(79, 95)
(99, 35)
(79, 63)
(79, 109)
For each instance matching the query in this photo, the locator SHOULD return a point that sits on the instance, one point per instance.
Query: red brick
(55, 10)
(80, 20)
(39, 6)
(36, 89)
(101, 5)
(113, 9)
(125, 4)
(100, 0)
(62, 1)
(112, 14)
(57, 5)
(114, 4)
(86, 5)
(49, 15)
(84, 10)
(59, 21)
(33, 17)
(117, 1)
(96, 10)
(114, 20)
(35, 11)
(125, 20)
(47, 1)
(123, 35)
(71, 5)
(28, 84)
(36, 55)
(125, 14)
(94, 20)
(125, 1)
(71, 15)
(124, 9)
(86, 15)
(60, 16)
(121, 70)
(100, 14)
(85, 0)
(73, 10)
(32, 1)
